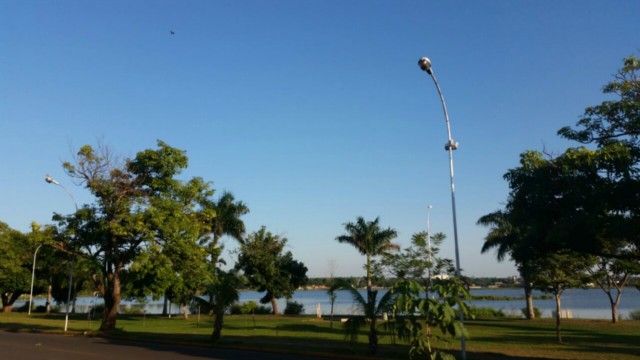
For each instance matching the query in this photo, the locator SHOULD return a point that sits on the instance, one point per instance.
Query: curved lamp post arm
(53, 181)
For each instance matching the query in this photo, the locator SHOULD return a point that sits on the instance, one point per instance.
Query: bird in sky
(172, 32)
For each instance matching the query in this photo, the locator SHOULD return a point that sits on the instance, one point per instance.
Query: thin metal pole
(66, 318)
(429, 244)
(449, 146)
(33, 276)
(50, 180)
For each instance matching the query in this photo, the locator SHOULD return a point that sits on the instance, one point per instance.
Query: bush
(634, 315)
(485, 312)
(294, 308)
(536, 312)
(249, 307)
(132, 309)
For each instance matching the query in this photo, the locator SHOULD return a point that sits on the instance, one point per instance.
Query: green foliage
(268, 269)
(294, 308)
(371, 309)
(419, 262)
(419, 317)
(485, 312)
(249, 308)
(634, 315)
(15, 265)
(370, 240)
(142, 214)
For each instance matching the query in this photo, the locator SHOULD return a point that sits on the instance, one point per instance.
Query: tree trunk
(49, 299)
(274, 304)
(373, 337)
(528, 295)
(369, 284)
(185, 311)
(331, 319)
(112, 300)
(558, 309)
(165, 307)
(614, 305)
(8, 300)
(217, 325)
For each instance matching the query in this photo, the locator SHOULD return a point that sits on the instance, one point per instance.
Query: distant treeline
(360, 282)
(483, 282)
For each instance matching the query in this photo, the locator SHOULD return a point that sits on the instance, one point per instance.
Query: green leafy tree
(268, 268)
(177, 264)
(560, 271)
(609, 210)
(15, 266)
(133, 201)
(224, 291)
(423, 319)
(418, 262)
(504, 237)
(613, 273)
(370, 240)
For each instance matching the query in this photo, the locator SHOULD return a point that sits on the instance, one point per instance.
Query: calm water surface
(584, 303)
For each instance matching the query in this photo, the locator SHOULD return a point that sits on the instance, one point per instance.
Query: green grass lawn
(489, 339)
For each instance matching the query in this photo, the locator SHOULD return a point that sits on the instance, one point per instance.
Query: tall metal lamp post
(429, 243)
(33, 276)
(425, 64)
(51, 180)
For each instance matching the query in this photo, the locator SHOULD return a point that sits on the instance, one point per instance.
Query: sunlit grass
(489, 339)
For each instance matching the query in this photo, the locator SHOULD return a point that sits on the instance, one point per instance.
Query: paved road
(26, 346)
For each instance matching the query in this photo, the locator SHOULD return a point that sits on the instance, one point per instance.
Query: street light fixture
(51, 180)
(425, 64)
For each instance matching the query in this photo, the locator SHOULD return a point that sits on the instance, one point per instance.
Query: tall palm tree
(370, 240)
(227, 220)
(504, 237)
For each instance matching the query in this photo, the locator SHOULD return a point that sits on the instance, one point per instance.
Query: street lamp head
(425, 64)
(51, 180)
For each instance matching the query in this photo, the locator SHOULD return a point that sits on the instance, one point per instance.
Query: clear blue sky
(311, 112)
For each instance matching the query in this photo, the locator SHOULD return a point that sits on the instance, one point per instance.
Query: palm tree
(227, 220)
(370, 240)
(504, 237)
(371, 310)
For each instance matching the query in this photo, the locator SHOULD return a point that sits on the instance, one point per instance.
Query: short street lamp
(51, 180)
(33, 276)
(425, 64)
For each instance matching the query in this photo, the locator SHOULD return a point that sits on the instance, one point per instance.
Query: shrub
(249, 307)
(486, 312)
(634, 315)
(294, 308)
(132, 309)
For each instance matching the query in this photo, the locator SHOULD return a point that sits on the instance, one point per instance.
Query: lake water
(584, 303)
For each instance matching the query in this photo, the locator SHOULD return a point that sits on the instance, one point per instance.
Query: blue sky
(311, 112)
